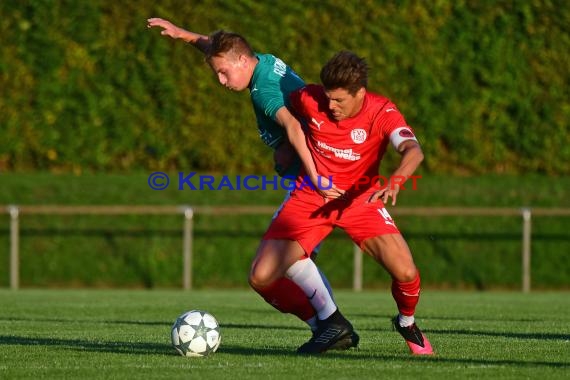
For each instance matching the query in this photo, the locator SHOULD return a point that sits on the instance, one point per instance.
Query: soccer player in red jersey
(348, 132)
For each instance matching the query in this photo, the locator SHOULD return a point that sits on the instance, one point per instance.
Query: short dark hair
(222, 42)
(345, 70)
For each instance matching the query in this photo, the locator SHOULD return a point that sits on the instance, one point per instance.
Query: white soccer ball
(196, 333)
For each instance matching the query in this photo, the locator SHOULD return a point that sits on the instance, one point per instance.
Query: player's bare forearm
(199, 41)
(412, 157)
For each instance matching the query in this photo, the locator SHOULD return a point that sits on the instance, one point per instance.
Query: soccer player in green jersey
(303, 292)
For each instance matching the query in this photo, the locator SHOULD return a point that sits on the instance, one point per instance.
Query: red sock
(287, 297)
(406, 295)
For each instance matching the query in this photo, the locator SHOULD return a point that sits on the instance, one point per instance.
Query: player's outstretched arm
(199, 41)
(412, 156)
(296, 137)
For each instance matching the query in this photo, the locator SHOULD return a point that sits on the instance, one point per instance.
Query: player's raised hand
(169, 29)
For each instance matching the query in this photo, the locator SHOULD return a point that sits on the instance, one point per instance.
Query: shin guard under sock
(288, 297)
(406, 295)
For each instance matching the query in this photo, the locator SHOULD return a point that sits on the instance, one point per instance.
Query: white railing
(188, 212)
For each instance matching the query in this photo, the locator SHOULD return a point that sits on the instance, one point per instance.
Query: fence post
(526, 249)
(357, 275)
(14, 247)
(187, 248)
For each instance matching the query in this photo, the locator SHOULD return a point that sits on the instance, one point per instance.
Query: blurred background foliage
(86, 87)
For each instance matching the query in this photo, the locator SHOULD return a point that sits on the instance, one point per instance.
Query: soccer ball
(196, 333)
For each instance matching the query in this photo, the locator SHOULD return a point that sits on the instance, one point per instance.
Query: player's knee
(269, 265)
(255, 282)
(408, 274)
(259, 279)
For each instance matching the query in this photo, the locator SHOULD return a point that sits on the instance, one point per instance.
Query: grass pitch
(124, 334)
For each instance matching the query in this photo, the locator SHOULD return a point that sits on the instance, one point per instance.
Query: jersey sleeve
(269, 98)
(395, 127)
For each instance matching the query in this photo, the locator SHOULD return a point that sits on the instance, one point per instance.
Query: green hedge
(87, 87)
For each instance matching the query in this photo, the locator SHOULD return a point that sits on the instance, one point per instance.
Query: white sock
(326, 282)
(405, 320)
(306, 274)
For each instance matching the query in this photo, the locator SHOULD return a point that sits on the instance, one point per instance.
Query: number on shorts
(387, 218)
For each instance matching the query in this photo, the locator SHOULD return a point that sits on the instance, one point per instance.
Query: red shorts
(306, 218)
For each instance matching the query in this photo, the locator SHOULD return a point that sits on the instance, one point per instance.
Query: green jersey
(270, 86)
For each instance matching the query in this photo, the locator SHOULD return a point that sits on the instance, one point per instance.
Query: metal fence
(188, 212)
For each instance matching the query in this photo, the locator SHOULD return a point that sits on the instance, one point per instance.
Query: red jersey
(349, 151)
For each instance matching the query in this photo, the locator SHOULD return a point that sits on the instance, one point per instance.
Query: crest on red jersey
(358, 135)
